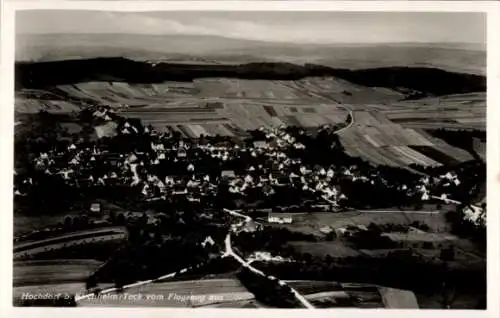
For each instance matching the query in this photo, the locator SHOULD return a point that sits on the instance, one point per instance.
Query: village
(277, 176)
(273, 166)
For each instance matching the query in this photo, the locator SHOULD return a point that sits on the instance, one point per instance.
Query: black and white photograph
(250, 159)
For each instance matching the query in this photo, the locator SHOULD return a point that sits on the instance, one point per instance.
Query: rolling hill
(391, 106)
(428, 81)
(213, 49)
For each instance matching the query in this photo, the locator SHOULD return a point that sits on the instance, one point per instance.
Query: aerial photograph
(257, 159)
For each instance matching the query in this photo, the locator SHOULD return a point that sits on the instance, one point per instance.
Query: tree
(427, 245)
(374, 228)
(120, 219)
(331, 236)
(91, 282)
(448, 295)
(112, 216)
(67, 222)
(307, 257)
(447, 254)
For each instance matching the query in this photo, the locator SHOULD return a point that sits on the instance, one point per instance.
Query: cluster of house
(447, 180)
(264, 165)
(475, 215)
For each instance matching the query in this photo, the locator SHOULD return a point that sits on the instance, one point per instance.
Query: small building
(208, 241)
(342, 231)
(227, 174)
(107, 130)
(181, 153)
(260, 144)
(280, 218)
(362, 227)
(326, 230)
(95, 208)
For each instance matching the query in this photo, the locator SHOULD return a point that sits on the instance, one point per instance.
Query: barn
(280, 218)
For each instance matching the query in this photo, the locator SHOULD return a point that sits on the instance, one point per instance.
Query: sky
(294, 27)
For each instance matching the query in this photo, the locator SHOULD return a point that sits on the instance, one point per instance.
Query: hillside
(195, 48)
(392, 107)
(428, 81)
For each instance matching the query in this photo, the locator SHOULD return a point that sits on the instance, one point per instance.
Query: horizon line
(483, 45)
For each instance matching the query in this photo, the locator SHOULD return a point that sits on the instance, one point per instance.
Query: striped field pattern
(386, 130)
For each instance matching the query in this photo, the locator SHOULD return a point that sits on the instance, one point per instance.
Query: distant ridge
(429, 81)
(460, 57)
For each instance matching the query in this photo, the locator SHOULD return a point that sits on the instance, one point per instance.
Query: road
(137, 284)
(329, 99)
(234, 213)
(230, 252)
(446, 200)
(310, 92)
(350, 123)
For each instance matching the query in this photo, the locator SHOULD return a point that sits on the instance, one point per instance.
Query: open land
(387, 129)
(384, 123)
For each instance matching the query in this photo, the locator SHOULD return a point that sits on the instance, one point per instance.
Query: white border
(325, 5)
(6, 136)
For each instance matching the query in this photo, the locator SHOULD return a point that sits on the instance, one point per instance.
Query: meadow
(389, 127)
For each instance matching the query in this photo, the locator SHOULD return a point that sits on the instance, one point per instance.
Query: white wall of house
(275, 219)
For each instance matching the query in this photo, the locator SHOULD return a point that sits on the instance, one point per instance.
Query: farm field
(395, 298)
(28, 223)
(480, 148)
(217, 293)
(334, 248)
(462, 300)
(208, 106)
(249, 89)
(109, 230)
(197, 293)
(31, 105)
(387, 130)
(75, 288)
(342, 91)
(181, 294)
(70, 244)
(374, 137)
(311, 286)
(56, 271)
(312, 223)
(466, 256)
(238, 304)
(465, 111)
(365, 295)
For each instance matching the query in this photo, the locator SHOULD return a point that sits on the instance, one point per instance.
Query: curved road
(320, 96)
(230, 252)
(349, 125)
